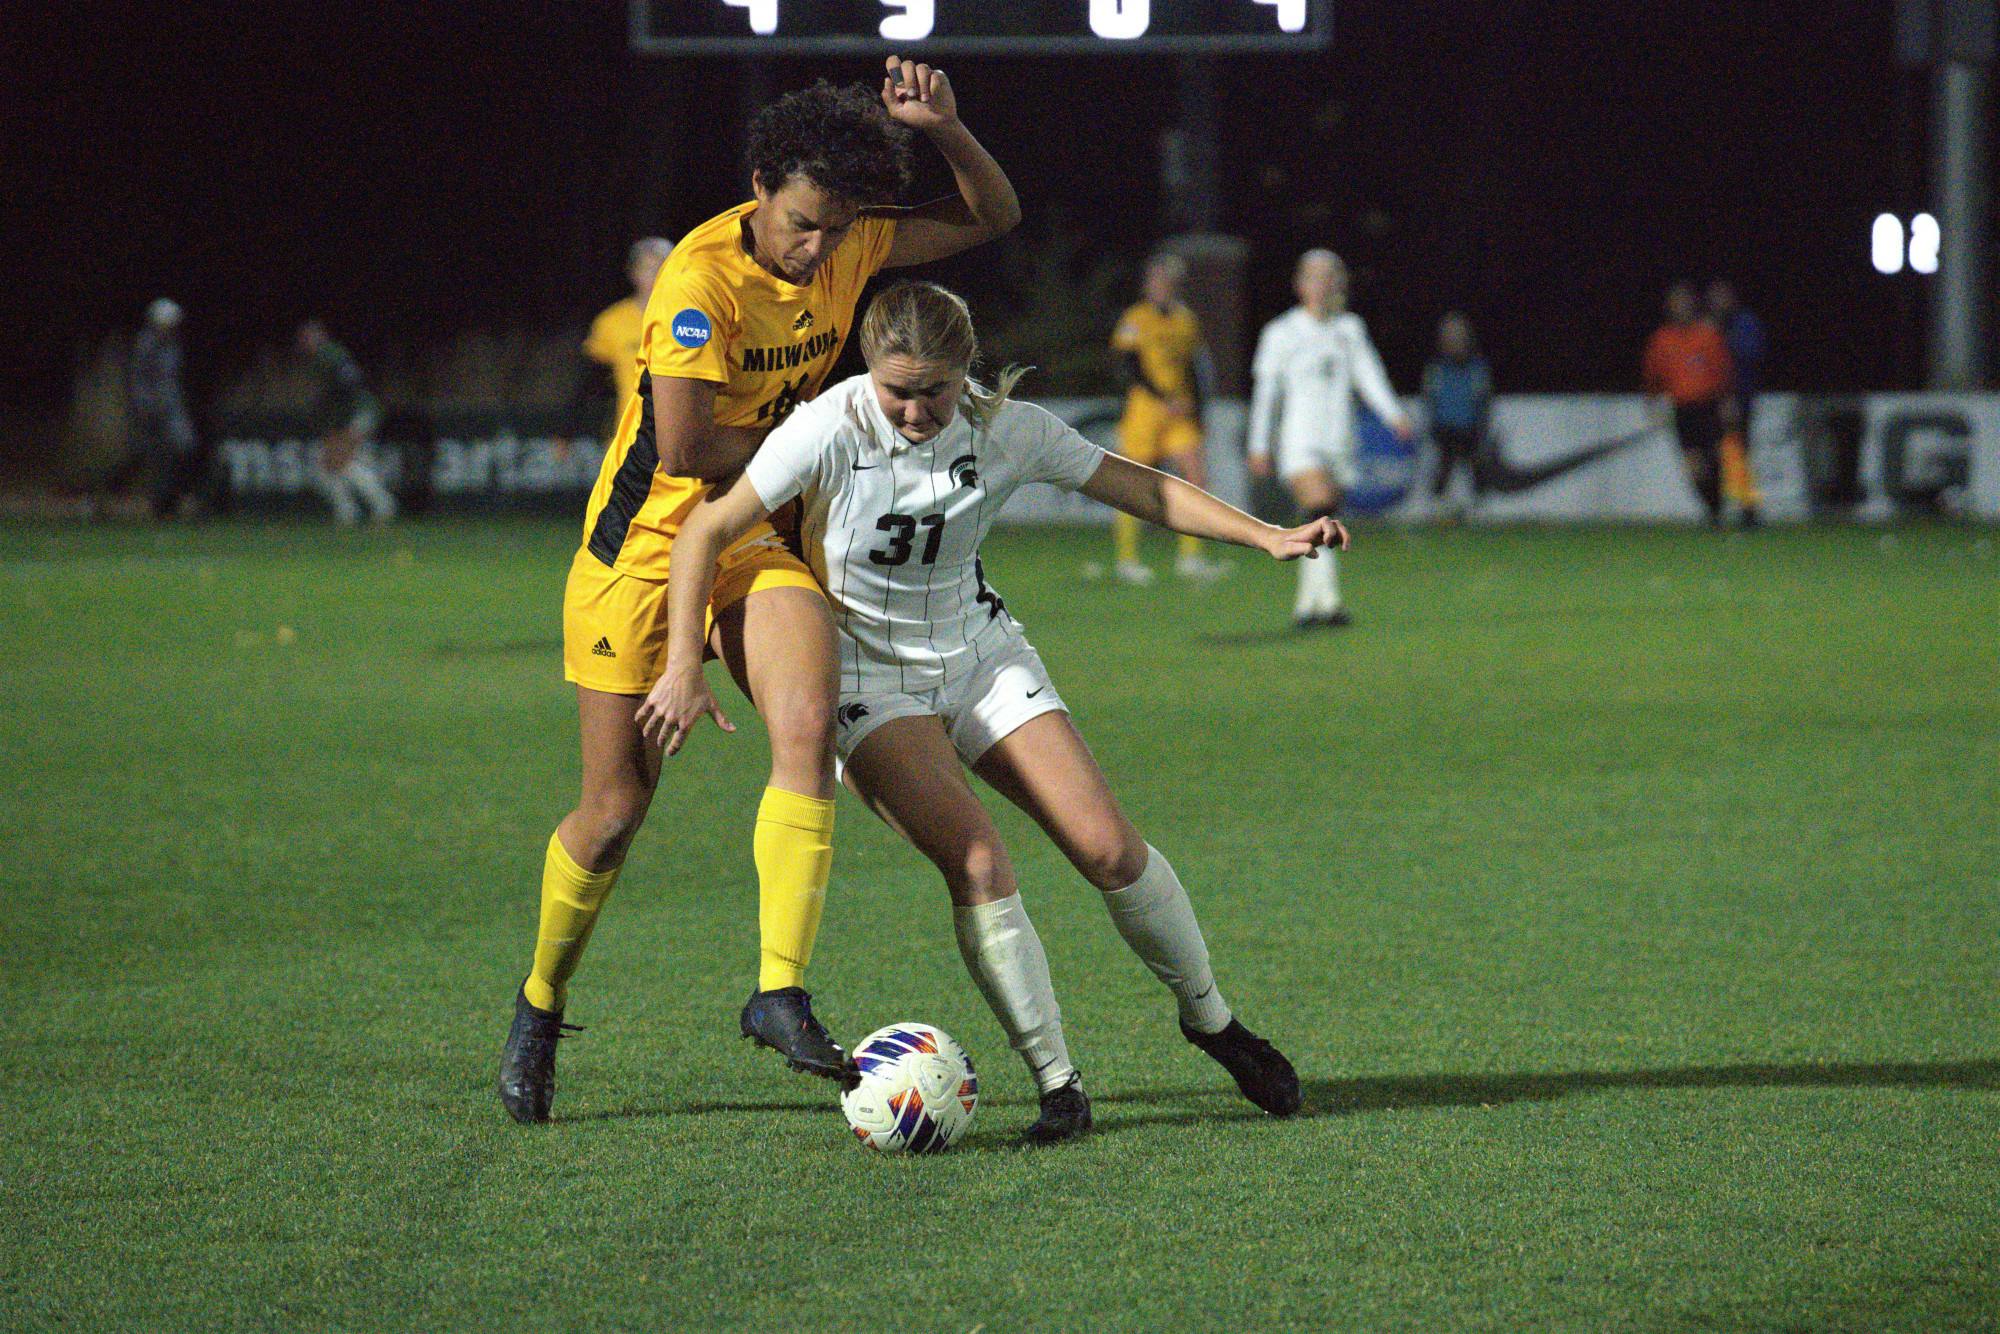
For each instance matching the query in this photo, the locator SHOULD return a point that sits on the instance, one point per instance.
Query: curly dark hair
(840, 139)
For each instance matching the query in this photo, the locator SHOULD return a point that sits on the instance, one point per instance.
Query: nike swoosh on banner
(1495, 473)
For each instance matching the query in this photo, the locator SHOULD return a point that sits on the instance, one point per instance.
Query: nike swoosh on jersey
(1036, 691)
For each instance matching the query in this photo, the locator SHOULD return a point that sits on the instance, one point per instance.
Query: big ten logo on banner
(1935, 453)
(1878, 456)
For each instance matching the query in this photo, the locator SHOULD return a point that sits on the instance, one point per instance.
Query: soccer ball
(917, 1090)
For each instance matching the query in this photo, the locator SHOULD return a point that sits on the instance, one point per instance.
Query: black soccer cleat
(528, 1065)
(1337, 619)
(1258, 1068)
(783, 1021)
(1065, 1115)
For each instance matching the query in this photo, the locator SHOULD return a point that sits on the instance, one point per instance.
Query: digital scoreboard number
(978, 27)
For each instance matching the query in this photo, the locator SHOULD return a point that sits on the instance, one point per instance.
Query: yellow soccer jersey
(614, 340)
(1165, 341)
(768, 345)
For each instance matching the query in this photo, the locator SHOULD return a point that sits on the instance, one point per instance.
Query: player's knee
(975, 868)
(610, 820)
(1109, 857)
(800, 719)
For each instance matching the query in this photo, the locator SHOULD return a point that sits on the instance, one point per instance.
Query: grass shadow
(1391, 1093)
(1383, 1093)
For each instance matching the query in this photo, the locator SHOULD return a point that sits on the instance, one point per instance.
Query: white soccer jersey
(893, 528)
(1306, 372)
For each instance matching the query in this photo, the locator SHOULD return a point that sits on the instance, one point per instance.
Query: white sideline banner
(1584, 458)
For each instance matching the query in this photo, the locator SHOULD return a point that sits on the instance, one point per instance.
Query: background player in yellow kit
(1157, 342)
(614, 337)
(747, 318)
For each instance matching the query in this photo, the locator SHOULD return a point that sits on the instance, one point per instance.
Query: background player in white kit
(903, 471)
(1310, 363)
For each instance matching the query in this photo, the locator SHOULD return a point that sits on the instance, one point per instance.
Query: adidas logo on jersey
(602, 648)
(803, 322)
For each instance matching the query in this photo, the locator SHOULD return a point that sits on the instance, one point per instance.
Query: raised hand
(917, 95)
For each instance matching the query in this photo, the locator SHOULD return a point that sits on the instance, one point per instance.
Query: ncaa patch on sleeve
(691, 328)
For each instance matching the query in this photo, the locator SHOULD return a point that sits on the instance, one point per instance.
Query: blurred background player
(745, 322)
(163, 437)
(1687, 368)
(614, 335)
(1310, 363)
(1458, 398)
(1158, 341)
(1743, 334)
(346, 415)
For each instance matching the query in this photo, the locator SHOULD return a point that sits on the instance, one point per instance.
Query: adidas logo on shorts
(602, 648)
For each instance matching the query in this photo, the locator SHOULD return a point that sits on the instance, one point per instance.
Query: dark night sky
(1548, 165)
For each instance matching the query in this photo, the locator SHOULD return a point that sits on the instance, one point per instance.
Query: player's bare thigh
(620, 773)
(779, 645)
(1044, 767)
(908, 773)
(1314, 489)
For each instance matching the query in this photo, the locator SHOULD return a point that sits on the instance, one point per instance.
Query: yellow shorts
(1147, 433)
(615, 624)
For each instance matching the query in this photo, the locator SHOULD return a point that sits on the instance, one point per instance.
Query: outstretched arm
(681, 697)
(1166, 500)
(1372, 382)
(985, 206)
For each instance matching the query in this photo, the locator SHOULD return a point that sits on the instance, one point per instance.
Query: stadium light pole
(1957, 356)
(1954, 41)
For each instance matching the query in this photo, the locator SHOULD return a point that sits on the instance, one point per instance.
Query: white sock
(1319, 586)
(338, 494)
(1005, 958)
(367, 484)
(1157, 921)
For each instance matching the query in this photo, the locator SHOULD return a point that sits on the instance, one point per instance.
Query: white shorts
(1336, 458)
(977, 710)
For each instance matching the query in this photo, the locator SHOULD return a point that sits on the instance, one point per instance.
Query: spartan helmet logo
(965, 472)
(851, 714)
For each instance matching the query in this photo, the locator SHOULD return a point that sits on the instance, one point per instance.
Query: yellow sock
(1190, 546)
(571, 899)
(1125, 538)
(794, 852)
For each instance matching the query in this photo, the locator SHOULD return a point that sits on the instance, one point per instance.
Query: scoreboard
(978, 27)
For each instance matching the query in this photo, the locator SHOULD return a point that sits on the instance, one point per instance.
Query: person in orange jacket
(1687, 367)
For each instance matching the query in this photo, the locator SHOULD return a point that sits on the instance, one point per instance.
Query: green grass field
(1627, 899)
